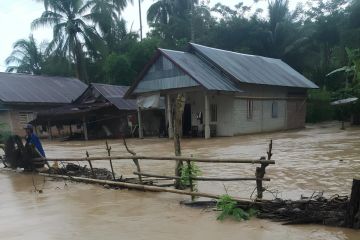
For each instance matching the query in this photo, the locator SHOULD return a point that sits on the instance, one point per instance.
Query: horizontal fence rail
(158, 158)
(202, 178)
(258, 178)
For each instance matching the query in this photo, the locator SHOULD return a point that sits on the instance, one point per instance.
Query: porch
(206, 114)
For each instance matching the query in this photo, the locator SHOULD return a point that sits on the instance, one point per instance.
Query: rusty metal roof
(115, 95)
(253, 69)
(200, 71)
(23, 88)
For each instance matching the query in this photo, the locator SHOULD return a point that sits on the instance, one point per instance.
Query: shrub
(229, 209)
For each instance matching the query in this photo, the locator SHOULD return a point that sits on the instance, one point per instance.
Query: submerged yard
(319, 158)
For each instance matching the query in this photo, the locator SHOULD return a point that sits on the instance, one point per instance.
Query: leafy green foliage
(228, 207)
(185, 174)
(118, 70)
(318, 106)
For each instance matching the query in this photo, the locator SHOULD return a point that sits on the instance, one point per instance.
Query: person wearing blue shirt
(31, 138)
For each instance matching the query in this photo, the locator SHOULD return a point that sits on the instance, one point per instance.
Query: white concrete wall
(262, 119)
(225, 110)
(232, 110)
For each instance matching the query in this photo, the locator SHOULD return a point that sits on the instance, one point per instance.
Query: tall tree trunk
(81, 72)
(192, 30)
(140, 18)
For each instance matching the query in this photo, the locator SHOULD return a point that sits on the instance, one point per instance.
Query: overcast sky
(16, 16)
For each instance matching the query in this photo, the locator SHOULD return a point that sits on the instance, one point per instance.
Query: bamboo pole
(146, 187)
(162, 158)
(202, 178)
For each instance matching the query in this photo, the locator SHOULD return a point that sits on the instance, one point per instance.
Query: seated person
(32, 139)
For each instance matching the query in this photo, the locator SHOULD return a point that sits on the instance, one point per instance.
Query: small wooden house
(227, 93)
(22, 96)
(101, 112)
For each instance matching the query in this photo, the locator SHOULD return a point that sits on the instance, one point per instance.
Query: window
(213, 113)
(274, 110)
(250, 109)
(25, 117)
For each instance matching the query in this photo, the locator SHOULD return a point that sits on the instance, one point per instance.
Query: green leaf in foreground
(228, 207)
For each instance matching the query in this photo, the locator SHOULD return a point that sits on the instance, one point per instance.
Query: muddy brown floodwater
(318, 158)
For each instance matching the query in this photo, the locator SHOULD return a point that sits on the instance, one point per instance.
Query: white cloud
(17, 15)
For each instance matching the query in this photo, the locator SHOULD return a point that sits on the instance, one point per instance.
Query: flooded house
(227, 93)
(22, 96)
(100, 112)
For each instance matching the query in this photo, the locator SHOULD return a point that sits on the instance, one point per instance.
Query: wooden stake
(269, 153)
(108, 149)
(260, 172)
(90, 164)
(179, 110)
(135, 160)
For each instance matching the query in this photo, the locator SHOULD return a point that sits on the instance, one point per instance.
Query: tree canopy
(91, 39)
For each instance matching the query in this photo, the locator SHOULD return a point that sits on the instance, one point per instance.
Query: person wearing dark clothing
(32, 139)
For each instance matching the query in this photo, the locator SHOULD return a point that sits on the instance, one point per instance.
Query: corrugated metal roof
(23, 88)
(200, 71)
(115, 94)
(255, 69)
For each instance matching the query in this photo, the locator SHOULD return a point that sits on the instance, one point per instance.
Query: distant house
(227, 93)
(23, 96)
(100, 112)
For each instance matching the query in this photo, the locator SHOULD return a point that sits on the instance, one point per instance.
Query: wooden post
(141, 133)
(179, 109)
(70, 130)
(190, 179)
(207, 117)
(108, 149)
(85, 129)
(169, 117)
(136, 161)
(260, 172)
(90, 164)
(352, 218)
(269, 152)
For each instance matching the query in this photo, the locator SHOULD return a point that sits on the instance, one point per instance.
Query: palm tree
(160, 12)
(71, 34)
(106, 14)
(26, 56)
(278, 11)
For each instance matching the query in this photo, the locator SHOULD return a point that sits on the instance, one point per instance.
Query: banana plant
(352, 68)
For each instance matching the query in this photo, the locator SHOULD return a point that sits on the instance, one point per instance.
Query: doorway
(187, 120)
